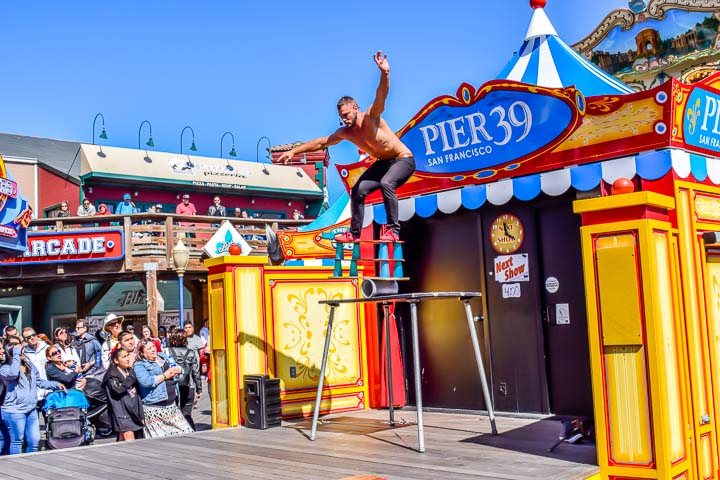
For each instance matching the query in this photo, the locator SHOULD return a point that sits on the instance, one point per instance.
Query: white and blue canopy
(547, 61)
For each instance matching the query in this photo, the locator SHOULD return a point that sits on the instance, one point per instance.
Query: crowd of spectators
(151, 384)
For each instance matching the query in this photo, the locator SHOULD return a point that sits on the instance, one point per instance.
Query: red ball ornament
(622, 185)
(538, 3)
(234, 249)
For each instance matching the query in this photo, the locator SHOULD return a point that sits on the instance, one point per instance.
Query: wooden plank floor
(458, 447)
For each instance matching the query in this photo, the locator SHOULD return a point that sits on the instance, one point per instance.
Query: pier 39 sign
(498, 127)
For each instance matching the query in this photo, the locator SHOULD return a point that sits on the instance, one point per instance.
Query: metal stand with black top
(413, 299)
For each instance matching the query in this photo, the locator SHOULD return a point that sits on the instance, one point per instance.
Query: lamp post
(193, 148)
(150, 142)
(232, 150)
(181, 257)
(269, 155)
(103, 134)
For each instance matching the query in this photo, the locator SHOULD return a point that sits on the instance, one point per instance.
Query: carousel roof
(545, 60)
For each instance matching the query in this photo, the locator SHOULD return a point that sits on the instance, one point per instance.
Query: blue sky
(255, 68)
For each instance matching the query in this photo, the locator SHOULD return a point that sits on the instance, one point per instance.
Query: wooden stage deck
(458, 447)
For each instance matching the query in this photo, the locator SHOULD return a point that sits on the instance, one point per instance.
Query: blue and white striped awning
(547, 61)
(649, 166)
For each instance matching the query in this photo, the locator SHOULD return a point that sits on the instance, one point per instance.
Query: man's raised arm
(312, 146)
(378, 106)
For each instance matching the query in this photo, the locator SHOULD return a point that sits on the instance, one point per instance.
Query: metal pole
(416, 368)
(481, 368)
(181, 298)
(318, 396)
(388, 361)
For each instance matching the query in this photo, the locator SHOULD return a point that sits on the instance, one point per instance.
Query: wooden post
(80, 299)
(152, 306)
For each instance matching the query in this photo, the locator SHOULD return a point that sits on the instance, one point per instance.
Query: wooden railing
(150, 237)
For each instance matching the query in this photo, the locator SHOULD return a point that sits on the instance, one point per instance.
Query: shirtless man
(394, 162)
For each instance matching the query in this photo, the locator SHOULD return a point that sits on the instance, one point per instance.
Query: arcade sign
(75, 246)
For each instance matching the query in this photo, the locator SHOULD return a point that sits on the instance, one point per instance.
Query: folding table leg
(321, 380)
(416, 369)
(388, 360)
(481, 368)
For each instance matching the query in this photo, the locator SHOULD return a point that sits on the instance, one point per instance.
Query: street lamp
(181, 257)
(232, 150)
(193, 148)
(150, 142)
(103, 134)
(269, 155)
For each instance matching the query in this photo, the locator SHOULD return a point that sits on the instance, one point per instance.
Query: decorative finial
(537, 4)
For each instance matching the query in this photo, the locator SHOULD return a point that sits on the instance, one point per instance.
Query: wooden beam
(152, 297)
(80, 299)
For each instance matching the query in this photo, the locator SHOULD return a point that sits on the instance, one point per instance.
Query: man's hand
(382, 62)
(286, 157)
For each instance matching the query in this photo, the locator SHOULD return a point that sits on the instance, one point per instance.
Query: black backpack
(183, 378)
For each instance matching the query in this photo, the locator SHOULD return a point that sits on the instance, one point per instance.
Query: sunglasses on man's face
(28, 337)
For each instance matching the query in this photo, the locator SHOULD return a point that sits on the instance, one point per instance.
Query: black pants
(385, 175)
(187, 401)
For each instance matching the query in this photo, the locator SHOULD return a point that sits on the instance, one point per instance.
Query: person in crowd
(158, 208)
(189, 384)
(34, 351)
(10, 331)
(126, 207)
(158, 391)
(87, 209)
(112, 325)
(59, 371)
(205, 331)
(185, 207)
(162, 336)
(22, 382)
(61, 339)
(216, 209)
(102, 210)
(128, 342)
(194, 342)
(238, 212)
(130, 328)
(121, 386)
(64, 210)
(4, 432)
(151, 209)
(297, 215)
(148, 334)
(88, 348)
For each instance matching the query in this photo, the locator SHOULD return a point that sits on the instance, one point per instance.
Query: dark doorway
(564, 314)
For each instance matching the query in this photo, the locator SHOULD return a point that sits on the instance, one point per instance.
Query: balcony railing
(150, 237)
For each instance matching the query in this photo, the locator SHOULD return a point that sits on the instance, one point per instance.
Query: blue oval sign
(500, 124)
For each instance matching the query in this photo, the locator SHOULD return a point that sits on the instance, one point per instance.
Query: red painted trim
(635, 212)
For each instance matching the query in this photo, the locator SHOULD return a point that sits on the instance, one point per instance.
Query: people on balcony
(64, 210)
(126, 207)
(185, 207)
(217, 209)
(102, 210)
(87, 209)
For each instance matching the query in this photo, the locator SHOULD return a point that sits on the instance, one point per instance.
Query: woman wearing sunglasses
(61, 338)
(19, 409)
(59, 371)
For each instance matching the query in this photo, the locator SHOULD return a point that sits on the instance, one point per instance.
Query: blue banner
(701, 125)
(502, 126)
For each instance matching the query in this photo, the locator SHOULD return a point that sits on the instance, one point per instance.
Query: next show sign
(74, 246)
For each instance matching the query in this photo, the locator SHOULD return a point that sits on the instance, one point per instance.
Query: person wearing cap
(126, 207)
(112, 325)
(185, 207)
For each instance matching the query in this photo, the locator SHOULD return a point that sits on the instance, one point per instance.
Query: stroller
(67, 420)
(98, 413)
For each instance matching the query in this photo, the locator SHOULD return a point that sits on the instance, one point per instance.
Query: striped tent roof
(547, 61)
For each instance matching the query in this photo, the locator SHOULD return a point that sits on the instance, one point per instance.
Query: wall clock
(506, 233)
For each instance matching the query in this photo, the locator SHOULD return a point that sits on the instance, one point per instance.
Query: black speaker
(262, 401)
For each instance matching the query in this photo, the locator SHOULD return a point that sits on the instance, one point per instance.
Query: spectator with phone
(19, 409)
(155, 373)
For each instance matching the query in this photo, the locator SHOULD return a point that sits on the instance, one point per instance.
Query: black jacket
(126, 409)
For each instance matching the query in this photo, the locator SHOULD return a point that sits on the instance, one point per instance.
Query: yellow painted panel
(627, 405)
(251, 333)
(619, 300)
(705, 460)
(669, 367)
(300, 328)
(221, 413)
(335, 403)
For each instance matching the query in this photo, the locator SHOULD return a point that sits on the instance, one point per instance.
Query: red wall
(52, 189)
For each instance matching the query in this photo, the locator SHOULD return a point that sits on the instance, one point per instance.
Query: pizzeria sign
(75, 246)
